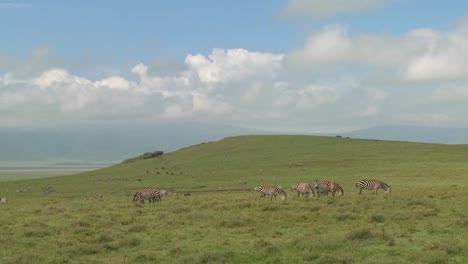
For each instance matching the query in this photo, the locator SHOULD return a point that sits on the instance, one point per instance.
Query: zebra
(272, 190)
(324, 187)
(303, 188)
(373, 185)
(153, 195)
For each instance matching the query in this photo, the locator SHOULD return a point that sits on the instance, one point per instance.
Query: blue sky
(297, 65)
(139, 31)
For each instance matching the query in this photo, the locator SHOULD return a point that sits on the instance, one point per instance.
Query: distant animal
(153, 195)
(325, 187)
(373, 185)
(242, 181)
(187, 194)
(303, 189)
(3, 200)
(272, 190)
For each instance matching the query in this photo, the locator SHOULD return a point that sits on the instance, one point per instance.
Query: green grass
(424, 221)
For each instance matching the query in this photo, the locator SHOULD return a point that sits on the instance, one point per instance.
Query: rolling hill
(90, 217)
(276, 159)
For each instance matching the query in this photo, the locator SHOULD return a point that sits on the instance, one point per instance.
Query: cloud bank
(336, 82)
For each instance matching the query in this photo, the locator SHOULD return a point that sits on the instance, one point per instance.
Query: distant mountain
(105, 143)
(413, 134)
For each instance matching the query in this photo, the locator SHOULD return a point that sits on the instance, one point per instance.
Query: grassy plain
(24, 173)
(424, 221)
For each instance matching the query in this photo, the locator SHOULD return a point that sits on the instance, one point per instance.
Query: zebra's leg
(360, 190)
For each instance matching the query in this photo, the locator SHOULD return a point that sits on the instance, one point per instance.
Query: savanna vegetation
(62, 220)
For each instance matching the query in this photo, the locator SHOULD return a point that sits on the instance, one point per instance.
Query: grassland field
(424, 221)
(25, 173)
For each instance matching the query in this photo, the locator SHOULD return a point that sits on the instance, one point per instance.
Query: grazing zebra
(272, 190)
(152, 195)
(373, 185)
(3, 200)
(324, 187)
(302, 189)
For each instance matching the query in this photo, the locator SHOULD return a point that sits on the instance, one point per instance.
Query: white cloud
(60, 95)
(114, 82)
(321, 9)
(444, 56)
(58, 77)
(233, 65)
(338, 81)
(419, 55)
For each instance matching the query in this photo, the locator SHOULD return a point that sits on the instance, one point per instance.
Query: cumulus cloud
(233, 65)
(320, 9)
(114, 82)
(197, 92)
(338, 81)
(419, 55)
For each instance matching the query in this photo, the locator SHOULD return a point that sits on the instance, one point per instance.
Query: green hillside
(424, 221)
(280, 160)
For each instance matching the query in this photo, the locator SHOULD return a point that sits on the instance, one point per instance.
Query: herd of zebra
(303, 189)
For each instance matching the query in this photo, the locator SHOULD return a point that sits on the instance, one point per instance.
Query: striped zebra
(325, 187)
(303, 189)
(272, 190)
(373, 185)
(153, 195)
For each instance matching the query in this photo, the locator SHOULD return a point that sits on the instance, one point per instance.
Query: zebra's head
(282, 193)
(316, 185)
(284, 196)
(389, 190)
(256, 189)
(293, 188)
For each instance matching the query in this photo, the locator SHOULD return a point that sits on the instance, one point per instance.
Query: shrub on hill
(147, 155)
